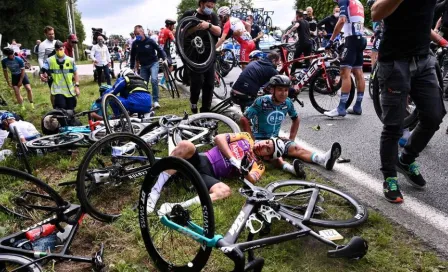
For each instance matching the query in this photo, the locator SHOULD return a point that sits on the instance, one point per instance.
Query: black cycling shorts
(352, 56)
(16, 78)
(205, 169)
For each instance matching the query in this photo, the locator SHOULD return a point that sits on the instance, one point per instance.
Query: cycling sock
(406, 133)
(359, 98)
(163, 178)
(320, 158)
(289, 168)
(190, 202)
(343, 102)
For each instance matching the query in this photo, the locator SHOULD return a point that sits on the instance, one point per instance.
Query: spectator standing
(47, 46)
(328, 23)
(101, 59)
(255, 31)
(15, 46)
(68, 45)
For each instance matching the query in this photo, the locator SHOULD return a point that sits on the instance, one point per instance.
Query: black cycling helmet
(8, 51)
(58, 44)
(280, 80)
(170, 21)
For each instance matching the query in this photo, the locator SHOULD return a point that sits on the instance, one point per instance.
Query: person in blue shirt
(18, 76)
(267, 114)
(133, 90)
(147, 53)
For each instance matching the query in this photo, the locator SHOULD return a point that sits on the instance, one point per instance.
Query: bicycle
(266, 21)
(184, 213)
(169, 81)
(36, 205)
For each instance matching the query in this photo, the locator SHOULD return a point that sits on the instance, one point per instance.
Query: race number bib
(358, 28)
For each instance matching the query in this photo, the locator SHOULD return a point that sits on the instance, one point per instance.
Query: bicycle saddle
(355, 249)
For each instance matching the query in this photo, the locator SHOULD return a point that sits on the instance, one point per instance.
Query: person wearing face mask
(204, 81)
(62, 70)
(312, 20)
(101, 59)
(328, 25)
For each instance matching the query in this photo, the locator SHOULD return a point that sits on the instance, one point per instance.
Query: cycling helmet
(8, 51)
(170, 22)
(280, 80)
(279, 147)
(256, 54)
(7, 115)
(125, 72)
(224, 10)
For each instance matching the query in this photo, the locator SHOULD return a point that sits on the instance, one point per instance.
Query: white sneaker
(335, 113)
(156, 105)
(152, 200)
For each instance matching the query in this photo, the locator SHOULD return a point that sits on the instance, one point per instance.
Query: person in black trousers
(303, 46)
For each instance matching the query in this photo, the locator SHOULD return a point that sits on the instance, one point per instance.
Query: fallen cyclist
(26, 130)
(267, 114)
(222, 161)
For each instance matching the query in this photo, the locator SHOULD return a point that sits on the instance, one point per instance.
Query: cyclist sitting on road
(267, 115)
(96, 105)
(222, 161)
(240, 34)
(26, 130)
(133, 90)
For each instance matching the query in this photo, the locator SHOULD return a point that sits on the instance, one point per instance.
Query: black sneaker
(299, 168)
(194, 108)
(412, 173)
(334, 155)
(391, 191)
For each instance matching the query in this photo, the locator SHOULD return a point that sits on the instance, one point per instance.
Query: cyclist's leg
(326, 159)
(15, 81)
(29, 91)
(359, 76)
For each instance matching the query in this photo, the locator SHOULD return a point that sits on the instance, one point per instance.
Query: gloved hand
(329, 45)
(235, 162)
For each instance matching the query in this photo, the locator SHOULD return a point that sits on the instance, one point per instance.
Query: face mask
(60, 53)
(208, 10)
(138, 38)
(336, 14)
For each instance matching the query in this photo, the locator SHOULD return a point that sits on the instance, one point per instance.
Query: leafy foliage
(25, 20)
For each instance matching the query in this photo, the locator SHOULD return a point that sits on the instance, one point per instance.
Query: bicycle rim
(109, 173)
(116, 117)
(10, 262)
(333, 208)
(57, 140)
(183, 199)
(220, 90)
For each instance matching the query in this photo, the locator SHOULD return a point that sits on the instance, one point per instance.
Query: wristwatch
(209, 25)
(77, 84)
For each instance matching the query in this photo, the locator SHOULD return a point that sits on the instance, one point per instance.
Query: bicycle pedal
(268, 213)
(249, 223)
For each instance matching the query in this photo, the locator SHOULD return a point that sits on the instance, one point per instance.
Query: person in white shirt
(26, 130)
(46, 47)
(128, 46)
(15, 46)
(101, 59)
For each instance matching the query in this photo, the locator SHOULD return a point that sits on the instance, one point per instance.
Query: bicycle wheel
(188, 205)
(229, 57)
(220, 90)
(10, 262)
(203, 127)
(27, 198)
(100, 133)
(269, 23)
(168, 85)
(171, 82)
(224, 66)
(58, 140)
(196, 47)
(116, 117)
(178, 74)
(324, 98)
(333, 207)
(107, 177)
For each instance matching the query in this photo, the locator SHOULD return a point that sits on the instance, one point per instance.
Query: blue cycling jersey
(267, 118)
(15, 65)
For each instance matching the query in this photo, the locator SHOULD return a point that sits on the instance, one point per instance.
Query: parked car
(368, 33)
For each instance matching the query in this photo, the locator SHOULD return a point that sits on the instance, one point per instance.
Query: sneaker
(152, 200)
(156, 105)
(411, 173)
(391, 191)
(194, 108)
(335, 113)
(335, 152)
(32, 106)
(351, 110)
(298, 167)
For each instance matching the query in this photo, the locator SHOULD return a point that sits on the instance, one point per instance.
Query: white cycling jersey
(235, 24)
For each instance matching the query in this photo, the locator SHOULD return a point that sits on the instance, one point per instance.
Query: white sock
(163, 178)
(190, 202)
(166, 208)
(406, 133)
(289, 168)
(320, 158)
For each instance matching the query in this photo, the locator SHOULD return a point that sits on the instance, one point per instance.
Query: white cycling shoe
(335, 113)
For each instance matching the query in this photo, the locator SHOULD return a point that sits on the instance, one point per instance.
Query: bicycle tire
(64, 139)
(148, 232)
(85, 191)
(168, 84)
(178, 74)
(30, 184)
(125, 120)
(18, 260)
(358, 217)
(224, 67)
(220, 88)
(180, 135)
(199, 47)
(269, 23)
(313, 93)
(229, 57)
(172, 82)
(100, 133)
(23, 151)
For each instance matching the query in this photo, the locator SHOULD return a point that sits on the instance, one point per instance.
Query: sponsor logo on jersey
(275, 117)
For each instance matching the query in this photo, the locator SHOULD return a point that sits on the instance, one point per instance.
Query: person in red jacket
(69, 44)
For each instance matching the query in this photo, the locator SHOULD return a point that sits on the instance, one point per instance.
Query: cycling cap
(256, 54)
(280, 80)
(8, 51)
(222, 11)
(7, 115)
(170, 21)
(125, 72)
(58, 44)
(279, 147)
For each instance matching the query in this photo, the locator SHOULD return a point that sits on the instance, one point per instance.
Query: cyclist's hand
(19, 84)
(329, 45)
(44, 77)
(235, 162)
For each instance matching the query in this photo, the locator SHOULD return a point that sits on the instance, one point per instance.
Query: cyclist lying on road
(222, 161)
(267, 114)
(26, 130)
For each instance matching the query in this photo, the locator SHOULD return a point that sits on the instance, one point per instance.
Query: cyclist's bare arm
(222, 141)
(383, 8)
(256, 172)
(294, 128)
(435, 37)
(245, 123)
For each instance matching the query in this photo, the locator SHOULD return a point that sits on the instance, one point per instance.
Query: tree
(324, 8)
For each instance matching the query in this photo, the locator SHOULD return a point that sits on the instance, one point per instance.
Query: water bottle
(62, 236)
(40, 232)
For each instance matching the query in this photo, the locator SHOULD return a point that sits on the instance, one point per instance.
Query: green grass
(390, 247)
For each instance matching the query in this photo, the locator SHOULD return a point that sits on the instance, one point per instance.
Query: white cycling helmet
(279, 147)
(125, 72)
(224, 10)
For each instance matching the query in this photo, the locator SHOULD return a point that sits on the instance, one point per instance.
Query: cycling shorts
(352, 56)
(205, 169)
(246, 48)
(16, 78)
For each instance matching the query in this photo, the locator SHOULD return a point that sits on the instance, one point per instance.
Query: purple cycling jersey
(221, 165)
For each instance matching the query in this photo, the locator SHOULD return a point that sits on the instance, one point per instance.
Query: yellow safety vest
(62, 78)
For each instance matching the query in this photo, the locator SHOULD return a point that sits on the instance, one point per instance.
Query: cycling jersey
(267, 118)
(165, 38)
(353, 10)
(245, 40)
(239, 144)
(15, 65)
(25, 129)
